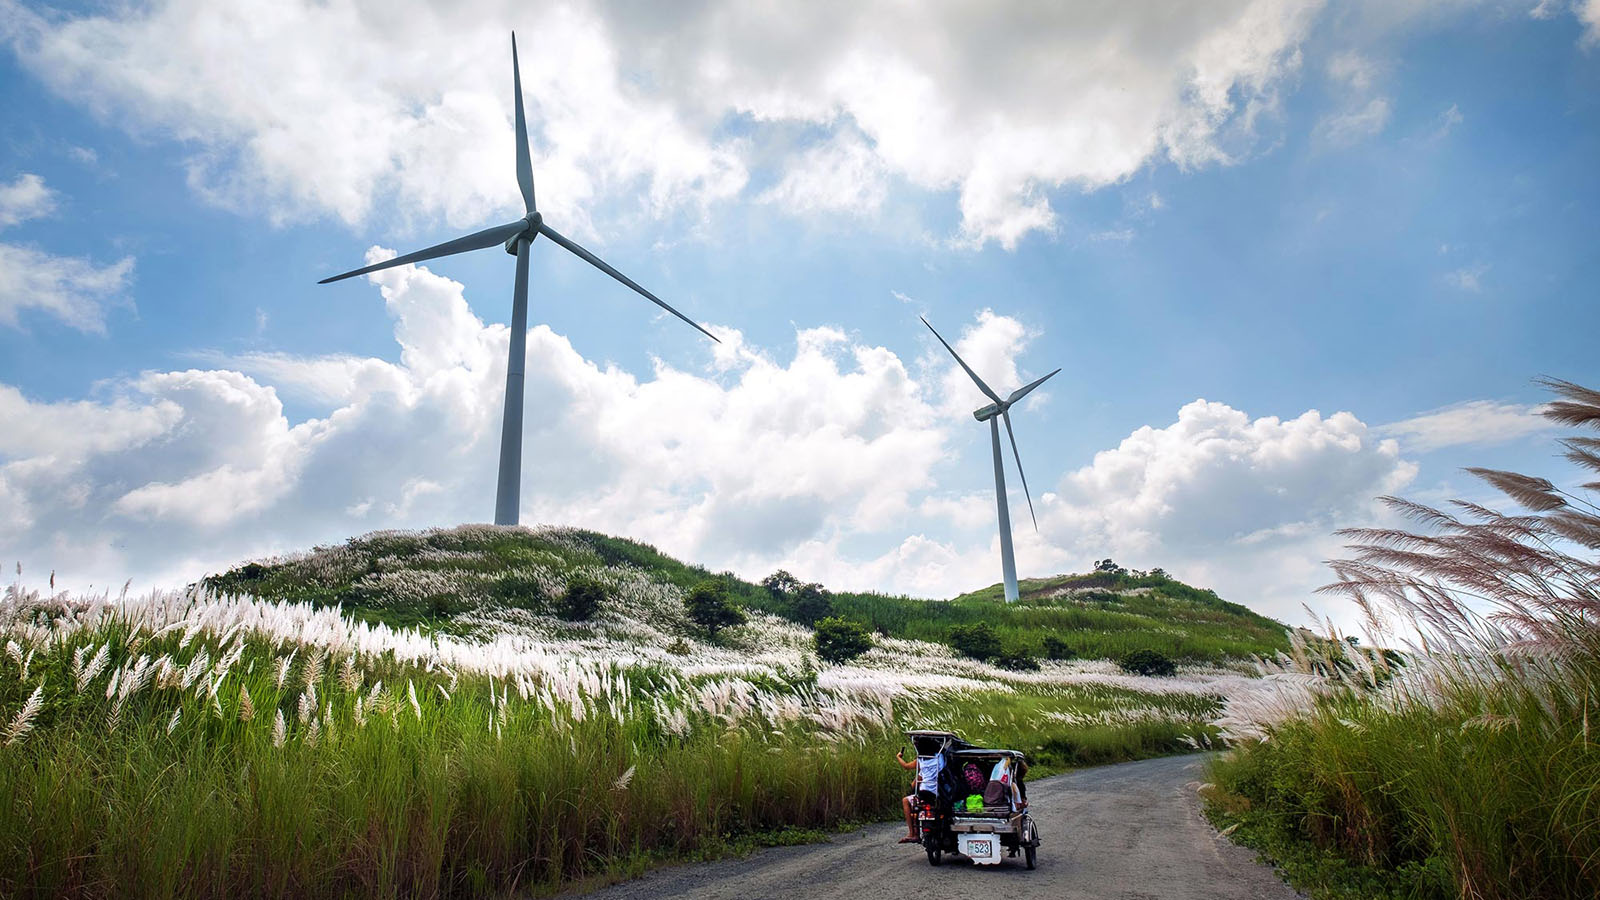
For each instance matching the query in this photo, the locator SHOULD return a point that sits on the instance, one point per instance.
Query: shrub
(1147, 662)
(1018, 659)
(977, 640)
(709, 607)
(1056, 648)
(581, 600)
(840, 640)
(811, 603)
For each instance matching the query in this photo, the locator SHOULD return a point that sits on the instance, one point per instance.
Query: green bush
(977, 640)
(1147, 662)
(581, 600)
(1056, 648)
(811, 604)
(1018, 659)
(840, 640)
(709, 607)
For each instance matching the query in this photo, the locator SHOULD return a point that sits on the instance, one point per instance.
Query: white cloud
(1472, 422)
(1363, 112)
(1244, 505)
(1589, 15)
(1468, 278)
(306, 108)
(25, 198)
(842, 175)
(76, 291)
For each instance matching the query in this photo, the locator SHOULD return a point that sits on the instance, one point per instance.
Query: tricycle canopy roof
(930, 742)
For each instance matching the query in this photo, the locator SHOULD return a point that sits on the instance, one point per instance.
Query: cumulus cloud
(1473, 422)
(25, 198)
(308, 108)
(74, 290)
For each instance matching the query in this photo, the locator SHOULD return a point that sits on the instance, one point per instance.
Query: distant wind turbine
(1001, 409)
(517, 237)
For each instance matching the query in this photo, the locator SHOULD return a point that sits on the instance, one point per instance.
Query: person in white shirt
(927, 779)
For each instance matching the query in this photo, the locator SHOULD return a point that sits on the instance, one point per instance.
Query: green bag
(974, 802)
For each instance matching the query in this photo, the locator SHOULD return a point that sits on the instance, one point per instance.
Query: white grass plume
(23, 723)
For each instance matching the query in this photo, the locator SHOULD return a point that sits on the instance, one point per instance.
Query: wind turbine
(517, 236)
(1001, 409)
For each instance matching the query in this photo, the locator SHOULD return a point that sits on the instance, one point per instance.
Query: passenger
(926, 782)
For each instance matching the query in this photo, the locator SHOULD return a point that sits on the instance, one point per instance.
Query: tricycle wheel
(1028, 853)
(935, 856)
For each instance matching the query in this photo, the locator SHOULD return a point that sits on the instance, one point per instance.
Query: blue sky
(1357, 233)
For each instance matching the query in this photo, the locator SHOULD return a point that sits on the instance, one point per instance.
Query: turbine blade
(1018, 457)
(524, 161)
(601, 264)
(1021, 392)
(485, 238)
(968, 369)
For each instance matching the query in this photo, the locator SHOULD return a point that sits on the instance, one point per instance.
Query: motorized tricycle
(979, 806)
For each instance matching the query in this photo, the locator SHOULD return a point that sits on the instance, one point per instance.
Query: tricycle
(979, 805)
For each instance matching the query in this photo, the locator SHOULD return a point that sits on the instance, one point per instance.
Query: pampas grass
(1463, 765)
(22, 723)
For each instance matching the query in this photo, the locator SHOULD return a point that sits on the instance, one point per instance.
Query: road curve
(1125, 832)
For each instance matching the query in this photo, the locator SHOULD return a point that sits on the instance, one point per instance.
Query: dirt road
(1125, 832)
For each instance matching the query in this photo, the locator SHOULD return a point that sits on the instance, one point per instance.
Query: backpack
(973, 777)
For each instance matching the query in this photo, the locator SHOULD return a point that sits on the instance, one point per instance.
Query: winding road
(1125, 832)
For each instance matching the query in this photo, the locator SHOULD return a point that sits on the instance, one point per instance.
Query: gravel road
(1125, 832)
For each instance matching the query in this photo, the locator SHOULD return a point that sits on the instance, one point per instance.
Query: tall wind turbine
(517, 236)
(1001, 409)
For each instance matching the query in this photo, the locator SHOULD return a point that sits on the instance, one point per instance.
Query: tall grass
(198, 746)
(1474, 769)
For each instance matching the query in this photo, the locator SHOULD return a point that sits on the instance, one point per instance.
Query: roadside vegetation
(1467, 765)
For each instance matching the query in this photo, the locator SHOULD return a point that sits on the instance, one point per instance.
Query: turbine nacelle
(989, 412)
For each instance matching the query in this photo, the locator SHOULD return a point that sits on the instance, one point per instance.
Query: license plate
(982, 848)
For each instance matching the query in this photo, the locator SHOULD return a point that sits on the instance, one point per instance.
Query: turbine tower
(517, 236)
(1001, 409)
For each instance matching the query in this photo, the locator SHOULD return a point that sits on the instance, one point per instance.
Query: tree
(709, 607)
(1056, 648)
(780, 584)
(581, 600)
(1107, 565)
(811, 603)
(1147, 662)
(977, 640)
(840, 640)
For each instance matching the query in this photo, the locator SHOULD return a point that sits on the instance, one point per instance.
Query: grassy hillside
(466, 579)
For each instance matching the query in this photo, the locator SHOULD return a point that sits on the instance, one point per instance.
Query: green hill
(467, 579)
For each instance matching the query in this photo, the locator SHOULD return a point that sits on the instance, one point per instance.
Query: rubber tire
(1028, 852)
(935, 856)
(1030, 849)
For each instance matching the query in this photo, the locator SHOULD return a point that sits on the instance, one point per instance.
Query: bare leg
(911, 818)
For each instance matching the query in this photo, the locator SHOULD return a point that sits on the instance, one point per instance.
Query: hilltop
(471, 579)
